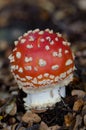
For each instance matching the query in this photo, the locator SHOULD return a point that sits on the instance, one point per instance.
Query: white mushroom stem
(44, 98)
(41, 100)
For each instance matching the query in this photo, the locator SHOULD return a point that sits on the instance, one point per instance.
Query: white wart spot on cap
(48, 38)
(18, 55)
(52, 76)
(36, 30)
(69, 71)
(16, 67)
(25, 34)
(17, 76)
(31, 38)
(34, 81)
(42, 40)
(28, 59)
(64, 43)
(30, 31)
(68, 62)
(28, 68)
(38, 45)
(51, 42)
(56, 39)
(10, 56)
(42, 62)
(12, 60)
(28, 77)
(47, 47)
(39, 76)
(47, 30)
(23, 79)
(16, 43)
(68, 43)
(23, 40)
(55, 53)
(41, 32)
(20, 70)
(35, 69)
(55, 67)
(20, 38)
(57, 78)
(60, 55)
(59, 35)
(46, 75)
(44, 82)
(60, 50)
(29, 46)
(27, 84)
(66, 51)
(63, 75)
(14, 49)
(50, 31)
(13, 67)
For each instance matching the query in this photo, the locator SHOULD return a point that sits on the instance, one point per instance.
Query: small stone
(30, 117)
(12, 120)
(79, 93)
(82, 4)
(43, 126)
(78, 105)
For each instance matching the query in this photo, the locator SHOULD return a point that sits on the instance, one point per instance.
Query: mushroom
(42, 64)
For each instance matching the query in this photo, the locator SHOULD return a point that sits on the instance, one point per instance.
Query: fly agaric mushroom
(42, 64)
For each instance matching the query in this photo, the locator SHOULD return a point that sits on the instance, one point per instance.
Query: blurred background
(18, 16)
(65, 16)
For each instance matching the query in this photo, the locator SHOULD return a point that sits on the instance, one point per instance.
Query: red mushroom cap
(41, 58)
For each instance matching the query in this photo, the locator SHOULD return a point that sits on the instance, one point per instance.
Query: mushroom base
(47, 97)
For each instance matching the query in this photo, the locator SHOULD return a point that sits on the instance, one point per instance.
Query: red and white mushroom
(42, 64)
